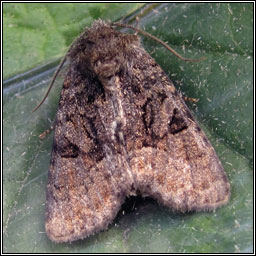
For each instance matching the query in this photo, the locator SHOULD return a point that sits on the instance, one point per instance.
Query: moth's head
(103, 50)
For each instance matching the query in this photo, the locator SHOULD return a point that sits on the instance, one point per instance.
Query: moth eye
(97, 63)
(109, 77)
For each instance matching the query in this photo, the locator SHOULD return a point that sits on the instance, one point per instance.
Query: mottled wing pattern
(85, 186)
(172, 161)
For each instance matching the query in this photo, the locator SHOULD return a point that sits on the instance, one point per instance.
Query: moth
(122, 129)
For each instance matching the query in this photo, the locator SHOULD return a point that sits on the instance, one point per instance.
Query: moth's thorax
(104, 50)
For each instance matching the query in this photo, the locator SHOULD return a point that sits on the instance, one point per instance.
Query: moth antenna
(157, 40)
(51, 84)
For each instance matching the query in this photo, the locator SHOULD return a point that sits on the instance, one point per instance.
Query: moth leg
(43, 135)
(192, 100)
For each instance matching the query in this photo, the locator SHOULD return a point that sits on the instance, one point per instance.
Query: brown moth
(123, 129)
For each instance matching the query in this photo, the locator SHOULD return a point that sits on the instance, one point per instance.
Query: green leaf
(224, 86)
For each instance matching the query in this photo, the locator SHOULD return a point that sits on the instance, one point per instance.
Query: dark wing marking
(86, 182)
(174, 163)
